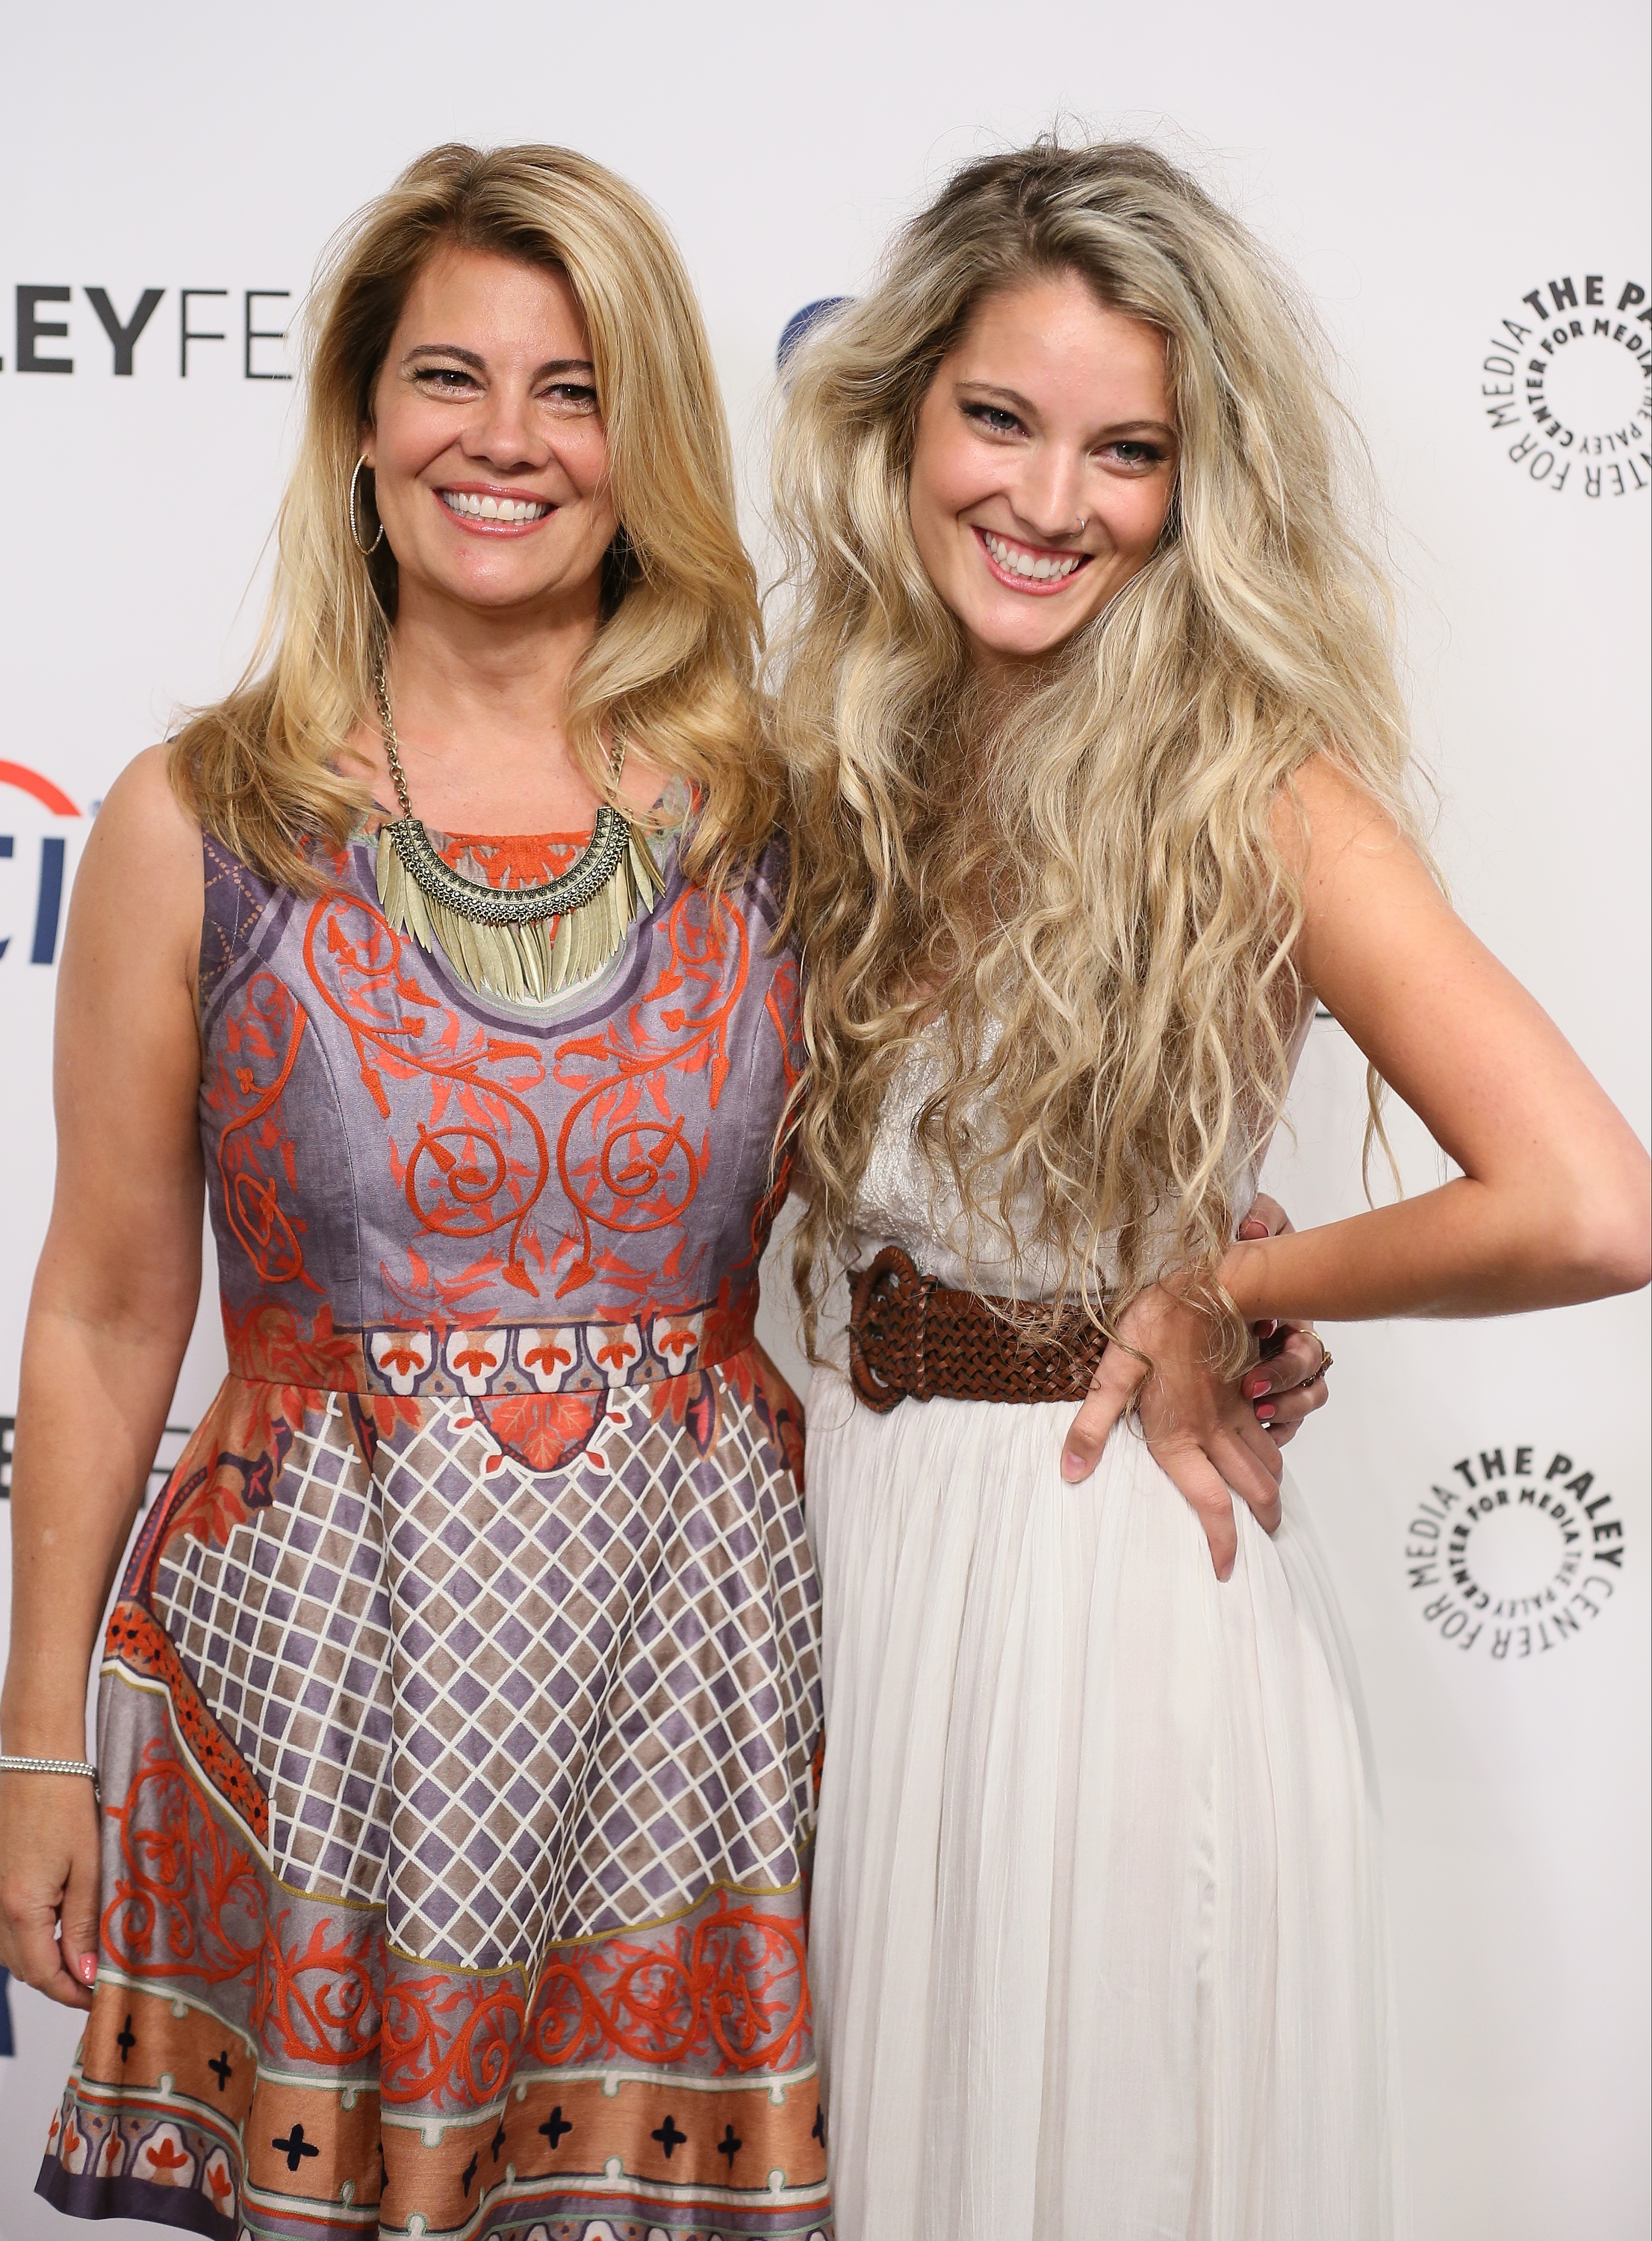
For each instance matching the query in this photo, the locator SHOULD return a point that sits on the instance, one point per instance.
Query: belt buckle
(876, 1293)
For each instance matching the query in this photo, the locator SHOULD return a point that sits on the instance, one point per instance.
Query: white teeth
(1037, 569)
(494, 509)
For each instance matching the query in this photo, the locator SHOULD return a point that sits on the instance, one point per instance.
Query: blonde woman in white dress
(1099, 783)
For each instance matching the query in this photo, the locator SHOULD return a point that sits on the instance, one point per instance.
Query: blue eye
(992, 417)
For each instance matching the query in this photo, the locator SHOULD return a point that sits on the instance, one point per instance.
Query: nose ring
(1083, 520)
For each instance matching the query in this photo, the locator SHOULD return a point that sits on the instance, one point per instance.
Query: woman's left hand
(1288, 1384)
(1201, 1431)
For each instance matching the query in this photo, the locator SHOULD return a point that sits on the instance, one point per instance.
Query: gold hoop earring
(366, 551)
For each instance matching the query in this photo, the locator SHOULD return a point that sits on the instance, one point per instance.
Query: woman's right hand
(1200, 1430)
(49, 1884)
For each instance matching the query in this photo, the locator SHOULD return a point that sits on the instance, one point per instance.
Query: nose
(1049, 492)
(501, 431)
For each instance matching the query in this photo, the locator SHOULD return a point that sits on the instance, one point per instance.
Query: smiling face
(489, 456)
(1044, 465)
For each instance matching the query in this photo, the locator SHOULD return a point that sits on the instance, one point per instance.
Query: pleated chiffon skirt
(1098, 1941)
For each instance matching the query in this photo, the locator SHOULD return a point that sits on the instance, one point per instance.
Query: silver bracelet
(10, 1765)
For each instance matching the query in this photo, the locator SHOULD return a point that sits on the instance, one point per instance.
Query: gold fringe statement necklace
(498, 939)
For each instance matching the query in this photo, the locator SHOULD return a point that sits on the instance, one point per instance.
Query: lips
(1024, 567)
(495, 510)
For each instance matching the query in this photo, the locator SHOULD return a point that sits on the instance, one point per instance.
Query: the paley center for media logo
(1567, 377)
(1515, 1551)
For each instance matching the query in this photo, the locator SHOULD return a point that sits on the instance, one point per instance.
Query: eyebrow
(474, 359)
(1024, 404)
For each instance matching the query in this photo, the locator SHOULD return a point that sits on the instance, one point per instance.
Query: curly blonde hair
(1078, 884)
(673, 664)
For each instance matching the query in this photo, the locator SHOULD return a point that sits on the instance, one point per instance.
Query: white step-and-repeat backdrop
(1464, 191)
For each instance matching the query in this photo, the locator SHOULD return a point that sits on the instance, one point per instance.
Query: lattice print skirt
(456, 1819)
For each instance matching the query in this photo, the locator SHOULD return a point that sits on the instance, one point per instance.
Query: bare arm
(1552, 1205)
(109, 1316)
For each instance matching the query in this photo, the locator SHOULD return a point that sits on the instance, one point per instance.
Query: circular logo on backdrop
(1515, 1554)
(1565, 381)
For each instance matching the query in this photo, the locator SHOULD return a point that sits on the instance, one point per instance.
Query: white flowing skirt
(1098, 1941)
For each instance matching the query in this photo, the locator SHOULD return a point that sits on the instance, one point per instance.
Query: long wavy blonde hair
(1077, 882)
(673, 663)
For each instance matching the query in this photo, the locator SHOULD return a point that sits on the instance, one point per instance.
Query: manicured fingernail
(89, 1968)
(1265, 1412)
(1256, 1384)
(1073, 1467)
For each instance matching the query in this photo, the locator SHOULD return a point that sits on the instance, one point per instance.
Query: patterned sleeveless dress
(460, 1706)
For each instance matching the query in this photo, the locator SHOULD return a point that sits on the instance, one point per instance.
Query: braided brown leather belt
(913, 1338)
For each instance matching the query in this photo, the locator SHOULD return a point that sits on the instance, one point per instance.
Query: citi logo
(36, 858)
(57, 328)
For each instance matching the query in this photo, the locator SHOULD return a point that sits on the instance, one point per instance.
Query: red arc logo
(29, 781)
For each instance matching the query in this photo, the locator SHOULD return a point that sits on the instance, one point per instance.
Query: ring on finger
(1326, 1363)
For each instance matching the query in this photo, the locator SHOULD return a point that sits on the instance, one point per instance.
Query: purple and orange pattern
(459, 1709)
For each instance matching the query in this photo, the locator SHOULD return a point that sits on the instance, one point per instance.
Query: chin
(1026, 645)
(492, 587)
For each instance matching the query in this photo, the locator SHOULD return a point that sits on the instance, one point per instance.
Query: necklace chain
(392, 745)
(500, 937)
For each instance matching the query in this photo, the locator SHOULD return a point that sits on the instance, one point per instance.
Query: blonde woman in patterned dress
(1098, 775)
(459, 1700)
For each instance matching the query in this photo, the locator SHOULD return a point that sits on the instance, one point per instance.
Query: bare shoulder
(126, 1055)
(140, 883)
(1326, 810)
(1346, 843)
(142, 816)
(1369, 897)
